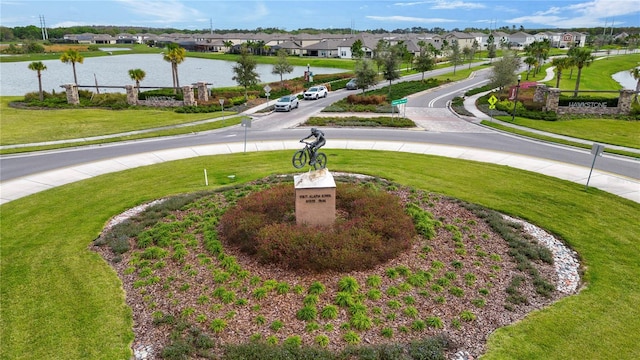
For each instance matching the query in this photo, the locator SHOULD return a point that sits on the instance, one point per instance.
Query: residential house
(464, 40)
(324, 49)
(521, 39)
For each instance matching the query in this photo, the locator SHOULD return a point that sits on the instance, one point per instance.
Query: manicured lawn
(60, 300)
(606, 131)
(21, 126)
(597, 76)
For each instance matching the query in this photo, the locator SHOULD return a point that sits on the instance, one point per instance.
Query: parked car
(316, 92)
(287, 103)
(352, 85)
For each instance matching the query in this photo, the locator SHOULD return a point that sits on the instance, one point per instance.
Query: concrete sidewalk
(622, 186)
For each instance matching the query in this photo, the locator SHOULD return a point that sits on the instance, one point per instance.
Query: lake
(16, 79)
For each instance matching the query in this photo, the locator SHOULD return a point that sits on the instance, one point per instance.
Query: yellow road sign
(493, 100)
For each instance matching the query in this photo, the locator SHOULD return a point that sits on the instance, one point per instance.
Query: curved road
(436, 125)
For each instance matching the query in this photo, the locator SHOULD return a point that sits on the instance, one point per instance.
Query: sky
(323, 14)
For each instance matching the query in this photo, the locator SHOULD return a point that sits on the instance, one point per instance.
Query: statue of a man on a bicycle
(316, 160)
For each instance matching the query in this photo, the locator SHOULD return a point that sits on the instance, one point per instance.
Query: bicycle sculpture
(310, 152)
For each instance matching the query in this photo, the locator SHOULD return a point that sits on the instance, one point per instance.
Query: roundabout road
(438, 132)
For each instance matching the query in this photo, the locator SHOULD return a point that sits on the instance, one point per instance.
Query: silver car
(287, 103)
(352, 85)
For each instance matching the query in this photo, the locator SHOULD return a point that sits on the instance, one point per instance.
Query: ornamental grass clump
(371, 228)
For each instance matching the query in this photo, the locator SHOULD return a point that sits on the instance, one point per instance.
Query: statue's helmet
(313, 130)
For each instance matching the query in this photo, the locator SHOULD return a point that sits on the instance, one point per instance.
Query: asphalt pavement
(430, 120)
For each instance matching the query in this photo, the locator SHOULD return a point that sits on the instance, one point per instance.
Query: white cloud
(409, 19)
(163, 12)
(456, 4)
(445, 4)
(587, 14)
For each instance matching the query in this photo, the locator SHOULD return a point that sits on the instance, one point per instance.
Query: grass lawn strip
(65, 302)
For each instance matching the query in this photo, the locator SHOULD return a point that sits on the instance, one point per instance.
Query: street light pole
(515, 100)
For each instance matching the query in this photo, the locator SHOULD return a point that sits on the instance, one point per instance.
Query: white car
(316, 92)
(287, 103)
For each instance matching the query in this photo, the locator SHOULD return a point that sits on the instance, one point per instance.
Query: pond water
(16, 79)
(625, 79)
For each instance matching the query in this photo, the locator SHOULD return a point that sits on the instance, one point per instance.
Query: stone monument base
(315, 198)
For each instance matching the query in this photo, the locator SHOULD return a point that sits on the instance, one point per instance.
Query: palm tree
(531, 62)
(560, 64)
(636, 75)
(175, 55)
(72, 56)
(38, 66)
(581, 58)
(228, 44)
(137, 75)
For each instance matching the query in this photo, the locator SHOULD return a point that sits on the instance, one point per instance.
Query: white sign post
(246, 123)
(267, 92)
(596, 150)
(221, 101)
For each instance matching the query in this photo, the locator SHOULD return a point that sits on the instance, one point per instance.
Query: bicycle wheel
(299, 159)
(321, 161)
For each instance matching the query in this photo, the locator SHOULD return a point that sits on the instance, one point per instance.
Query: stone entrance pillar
(203, 92)
(315, 198)
(72, 94)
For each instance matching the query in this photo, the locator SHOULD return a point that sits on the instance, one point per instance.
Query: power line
(43, 28)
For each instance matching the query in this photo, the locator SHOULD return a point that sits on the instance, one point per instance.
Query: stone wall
(159, 101)
(586, 108)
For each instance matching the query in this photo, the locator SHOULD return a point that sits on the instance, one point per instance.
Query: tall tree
(391, 59)
(365, 74)
(245, 70)
(72, 56)
(228, 44)
(282, 65)
(175, 54)
(424, 61)
(504, 70)
(580, 57)
(39, 67)
(137, 75)
(539, 50)
(356, 49)
(560, 64)
(456, 55)
(382, 47)
(531, 62)
(491, 47)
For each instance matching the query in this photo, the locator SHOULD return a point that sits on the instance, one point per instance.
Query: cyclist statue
(317, 144)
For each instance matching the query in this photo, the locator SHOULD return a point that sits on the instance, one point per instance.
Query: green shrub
(348, 284)
(218, 325)
(293, 341)
(410, 312)
(276, 325)
(351, 338)
(467, 315)
(429, 348)
(360, 322)
(434, 322)
(316, 288)
(329, 312)
(374, 294)
(374, 281)
(307, 313)
(344, 299)
(322, 340)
